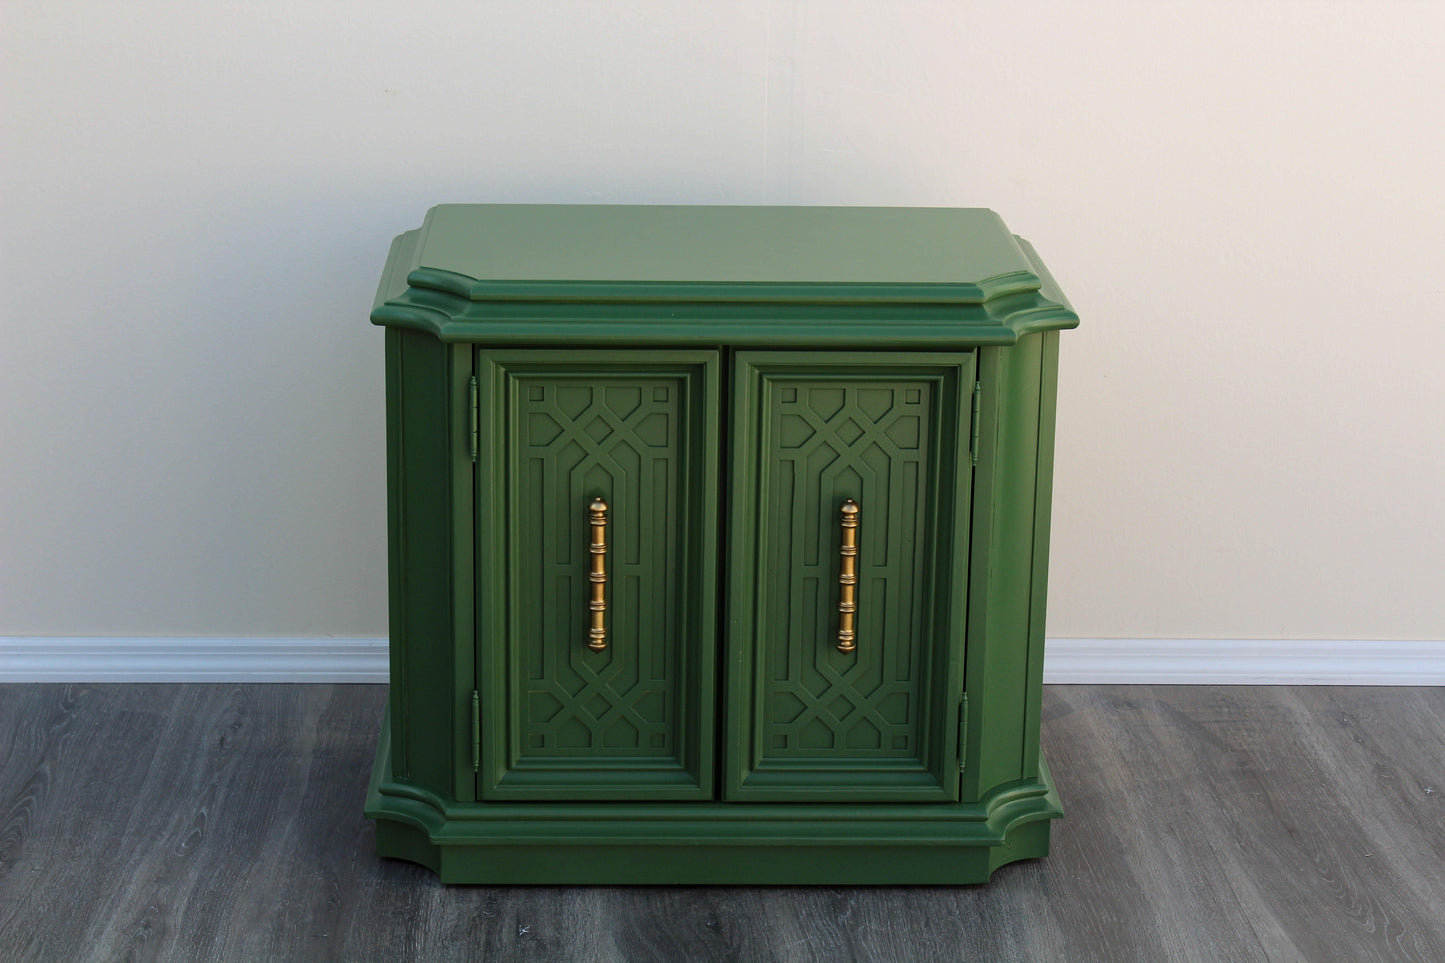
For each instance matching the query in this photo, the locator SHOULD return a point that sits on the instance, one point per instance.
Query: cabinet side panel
(1043, 510)
(396, 549)
(1000, 596)
(461, 478)
(422, 629)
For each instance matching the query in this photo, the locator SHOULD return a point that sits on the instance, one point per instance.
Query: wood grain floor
(222, 822)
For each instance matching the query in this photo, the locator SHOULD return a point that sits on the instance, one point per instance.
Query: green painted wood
(1039, 577)
(957, 250)
(638, 429)
(608, 344)
(398, 263)
(1048, 287)
(396, 540)
(740, 323)
(424, 629)
(745, 276)
(1001, 589)
(462, 495)
(709, 842)
(889, 431)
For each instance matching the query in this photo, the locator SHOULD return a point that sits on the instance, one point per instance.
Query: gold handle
(597, 635)
(848, 578)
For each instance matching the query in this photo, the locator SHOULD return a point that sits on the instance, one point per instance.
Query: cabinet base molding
(709, 842)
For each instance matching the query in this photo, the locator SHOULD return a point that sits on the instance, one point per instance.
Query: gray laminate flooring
(223, 822)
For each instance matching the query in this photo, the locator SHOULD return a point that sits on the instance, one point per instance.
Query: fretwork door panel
(597, 545)
(850, 505)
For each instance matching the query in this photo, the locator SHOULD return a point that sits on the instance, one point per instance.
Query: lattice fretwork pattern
(834, 440)
(575, 440)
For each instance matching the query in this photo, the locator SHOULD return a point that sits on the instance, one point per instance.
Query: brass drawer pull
(848, 578)
(597, 513)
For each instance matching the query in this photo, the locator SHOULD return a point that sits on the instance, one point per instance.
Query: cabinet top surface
(591, 274)
(721, 245)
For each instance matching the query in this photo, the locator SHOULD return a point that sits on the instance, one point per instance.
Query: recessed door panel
(597, 551)
(849, 541)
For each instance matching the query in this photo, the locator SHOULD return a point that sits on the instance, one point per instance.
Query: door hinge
(977, 417)
(473, 417)
(476, 731)
(963, 734)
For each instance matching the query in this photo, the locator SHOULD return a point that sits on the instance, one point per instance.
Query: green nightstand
(719, 540)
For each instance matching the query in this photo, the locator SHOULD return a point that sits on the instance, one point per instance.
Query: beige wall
(1243, 200)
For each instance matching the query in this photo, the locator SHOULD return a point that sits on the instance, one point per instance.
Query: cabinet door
(626, 712)
(887, 433)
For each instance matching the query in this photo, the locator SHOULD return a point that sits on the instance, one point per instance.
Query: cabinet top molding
(620, 274)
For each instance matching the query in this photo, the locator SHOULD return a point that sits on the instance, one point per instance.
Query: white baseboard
(1243, 662)
(1093, 661)
(192, 660)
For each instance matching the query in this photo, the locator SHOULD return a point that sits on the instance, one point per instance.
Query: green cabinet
(718, 544)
